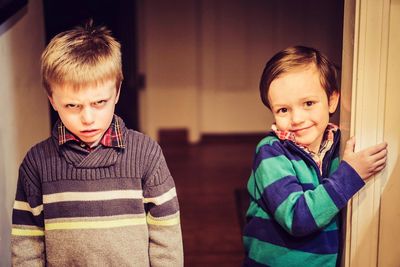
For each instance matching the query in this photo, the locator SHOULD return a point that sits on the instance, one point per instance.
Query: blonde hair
(80, 57)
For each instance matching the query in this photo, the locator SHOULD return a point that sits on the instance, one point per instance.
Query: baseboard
(180, 136)
(232, 138)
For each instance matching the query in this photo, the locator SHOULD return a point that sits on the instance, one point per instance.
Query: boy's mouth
(300, 130)
(90, 132)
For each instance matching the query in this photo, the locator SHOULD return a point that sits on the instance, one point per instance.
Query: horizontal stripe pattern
(272, 168)
(345, 184)
(167, 196)
(271, 149)
(295, 216)
(26, 232)
(318, 243)
(23, 217)
(95, 224)
(293, 212)
(22, 205)
(103, 183)
(164, 209)
(92, 196)
(272, 255)
(94, 208)
(280, 190)
(164, 221)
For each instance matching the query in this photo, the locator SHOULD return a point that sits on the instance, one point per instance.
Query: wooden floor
(210, 180)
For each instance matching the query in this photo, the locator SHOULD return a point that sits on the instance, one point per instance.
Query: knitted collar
(104, 155)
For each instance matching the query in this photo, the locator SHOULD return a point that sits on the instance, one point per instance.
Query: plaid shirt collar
(111, 138)
(326, 144)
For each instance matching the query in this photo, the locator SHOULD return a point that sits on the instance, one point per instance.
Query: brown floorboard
(209, 178)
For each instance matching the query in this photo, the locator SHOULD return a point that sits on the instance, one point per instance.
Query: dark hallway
(210, 180)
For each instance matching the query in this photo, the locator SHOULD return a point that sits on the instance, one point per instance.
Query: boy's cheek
(281, 124)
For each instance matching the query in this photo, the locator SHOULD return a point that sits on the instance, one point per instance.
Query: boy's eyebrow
(278, 105)
(312, 97)
(96, 99)
(308, 98)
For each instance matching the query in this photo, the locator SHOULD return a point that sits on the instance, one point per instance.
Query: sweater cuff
(343, 184)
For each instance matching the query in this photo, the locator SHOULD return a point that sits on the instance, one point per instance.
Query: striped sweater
(108, 207)
(293, 217)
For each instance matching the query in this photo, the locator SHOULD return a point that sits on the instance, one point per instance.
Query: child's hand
(366, 162)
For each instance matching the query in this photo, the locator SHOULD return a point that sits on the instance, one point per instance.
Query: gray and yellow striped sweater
(108, 207)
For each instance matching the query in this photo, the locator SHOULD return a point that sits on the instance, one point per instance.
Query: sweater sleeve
(27, 234)
(163, 218)
(298, 209)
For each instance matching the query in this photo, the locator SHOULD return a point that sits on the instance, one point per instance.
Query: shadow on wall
(6, 158)
(23, 105)
(5, 215)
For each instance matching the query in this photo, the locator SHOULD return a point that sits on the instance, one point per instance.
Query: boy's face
(86, 112)
(299, 104)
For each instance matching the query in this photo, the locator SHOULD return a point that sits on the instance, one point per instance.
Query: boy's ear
(333, 102)
(117, 96)
(51, 102)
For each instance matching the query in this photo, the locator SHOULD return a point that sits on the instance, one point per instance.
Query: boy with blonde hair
(298, 186)
(95, 193)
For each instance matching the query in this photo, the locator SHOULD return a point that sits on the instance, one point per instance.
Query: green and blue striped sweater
(293, 217)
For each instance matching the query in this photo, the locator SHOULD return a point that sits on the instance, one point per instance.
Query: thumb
(350, 144)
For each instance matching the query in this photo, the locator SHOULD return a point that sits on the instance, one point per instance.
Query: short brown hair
(296, 57)
(82, 56)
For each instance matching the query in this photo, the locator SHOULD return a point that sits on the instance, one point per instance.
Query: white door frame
(365, 61)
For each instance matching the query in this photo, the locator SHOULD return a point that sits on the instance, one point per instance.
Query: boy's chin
(90, 141)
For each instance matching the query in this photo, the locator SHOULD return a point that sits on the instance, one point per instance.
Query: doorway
(203, 59)
(120, 17)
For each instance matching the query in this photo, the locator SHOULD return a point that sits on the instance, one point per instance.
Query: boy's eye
(73, 106)
(282, 110)
(99, 103)
(309, 103)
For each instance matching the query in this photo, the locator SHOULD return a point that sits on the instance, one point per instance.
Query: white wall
(24, 115)
(203, 59)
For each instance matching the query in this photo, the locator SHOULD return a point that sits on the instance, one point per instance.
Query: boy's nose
(297, 117)
(87, 116)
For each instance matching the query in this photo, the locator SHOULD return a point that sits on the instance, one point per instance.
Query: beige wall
(203, 59)
(24, 118)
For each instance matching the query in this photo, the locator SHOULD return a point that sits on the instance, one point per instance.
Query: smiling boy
(95, 193)
(298, 186)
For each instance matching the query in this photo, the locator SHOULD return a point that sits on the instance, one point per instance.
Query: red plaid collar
(288, 135)
(111, 138)
(283, 135)
(326, 144)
